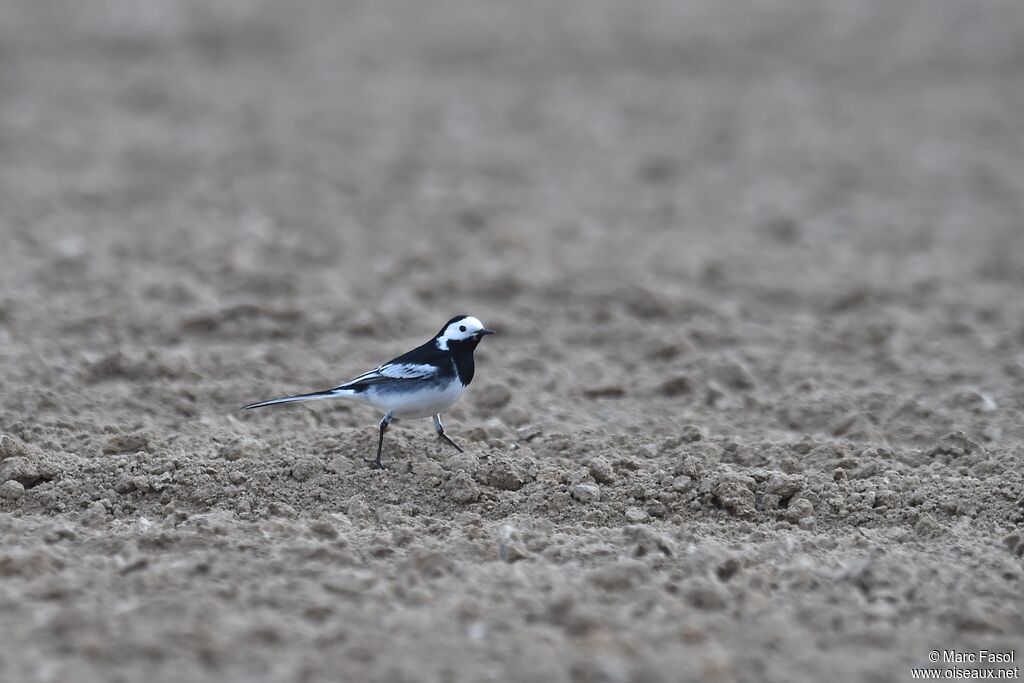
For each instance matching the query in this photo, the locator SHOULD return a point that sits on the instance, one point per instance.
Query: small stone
(635, 515)
(714, 394)
(927, 526)
(95, 514)
(955, 445)
(676, 386)
(808, 523)
(462, 488)
(349, 582)
(11, 490)
(467, 462)
(799, 509)
(497, 429)
(655, 508)
(159, 483)
(20, 469)
(529, 432)
(11, 447)
(736, 376)
(691, 434)
(340, 465)
(735, 493)
(728, 569)
(601, 470)
(973, 400)
(784, 484)
(859, 427)
(510, 548)
(126, 443)
(427, 471)
(305, 469)
(683, 483)
(279, 509)
(605, 391)
(502, 473)
(237, 477)
(646, 542)
(124, 484)
(243, 447)
(133, 564)
(586, 493)
(689, 466)
(358, 509)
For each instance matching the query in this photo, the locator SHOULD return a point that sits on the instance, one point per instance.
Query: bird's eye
(462, 328)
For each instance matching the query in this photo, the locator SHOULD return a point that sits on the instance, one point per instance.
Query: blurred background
(778, 222)
(245, 169)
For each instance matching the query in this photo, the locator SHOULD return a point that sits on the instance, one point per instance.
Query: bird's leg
(377, 464)
(439, 428)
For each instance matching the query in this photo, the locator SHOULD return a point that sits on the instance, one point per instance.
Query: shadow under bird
(421, 383)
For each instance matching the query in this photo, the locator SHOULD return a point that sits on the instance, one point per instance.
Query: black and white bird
(421, 383)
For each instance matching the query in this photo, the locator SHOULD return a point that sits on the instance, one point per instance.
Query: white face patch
(458, 330)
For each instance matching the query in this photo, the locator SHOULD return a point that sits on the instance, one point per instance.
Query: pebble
(636, 515)
(305, 469)
(682, 483)
(735, 493)
(529, 432)
(510, 547)
(125, 484)
(799, 509)
(126, 443)
(784, 484)
(11, 490)
(586, 493)
(655, 508)
(467, 462)
(95, 514)
(689, 466)
(691, 434)
(462, 488)
(428, 470)
(736, 375)
(11, 447)
(502, 473)
(340, 464)
(676, 386)
(242, 447)
(601, 470)
(19, 469)
(954, 445)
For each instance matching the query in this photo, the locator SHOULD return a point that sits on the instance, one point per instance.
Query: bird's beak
(484, 331)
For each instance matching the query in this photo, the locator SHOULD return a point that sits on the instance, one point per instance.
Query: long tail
(315, 396)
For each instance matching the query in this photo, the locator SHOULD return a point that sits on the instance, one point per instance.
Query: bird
(421, 383)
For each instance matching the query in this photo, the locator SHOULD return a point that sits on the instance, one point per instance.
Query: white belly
(413, 404)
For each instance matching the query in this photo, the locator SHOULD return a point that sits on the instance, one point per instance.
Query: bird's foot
(374, 464)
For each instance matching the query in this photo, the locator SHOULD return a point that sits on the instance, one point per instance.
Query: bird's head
(462, 330)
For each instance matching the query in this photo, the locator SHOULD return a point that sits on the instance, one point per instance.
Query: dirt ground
(754, 408)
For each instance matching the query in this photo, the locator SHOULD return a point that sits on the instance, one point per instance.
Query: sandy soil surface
(753, 413)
